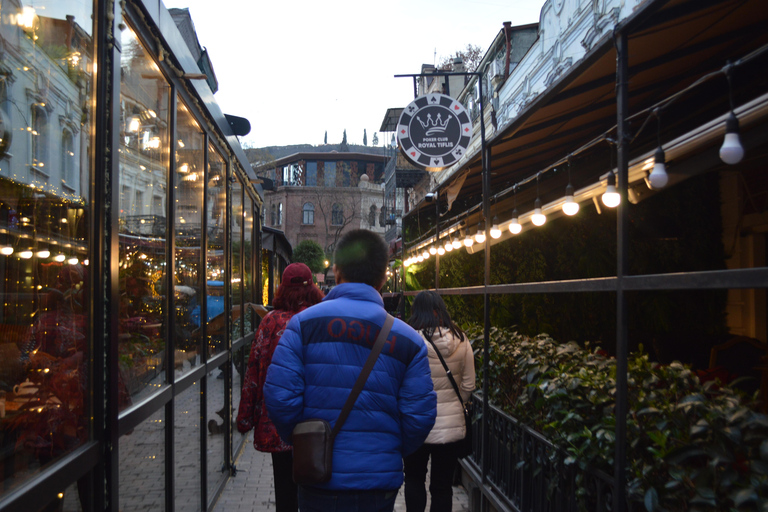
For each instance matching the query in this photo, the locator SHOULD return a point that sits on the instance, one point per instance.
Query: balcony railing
(527, 473)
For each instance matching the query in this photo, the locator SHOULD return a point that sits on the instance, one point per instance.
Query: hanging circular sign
(434, 131)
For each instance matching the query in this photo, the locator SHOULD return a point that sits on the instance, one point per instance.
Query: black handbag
(312, 439)
(465, 448)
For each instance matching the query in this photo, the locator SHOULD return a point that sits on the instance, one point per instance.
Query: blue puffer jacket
(315, 366)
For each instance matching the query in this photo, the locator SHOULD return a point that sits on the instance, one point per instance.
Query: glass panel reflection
(142, 466)
(217, 414)
(187, 449)
(46, 72)
(216, 218)
(236, 290)
(144, 153)
(188, 215)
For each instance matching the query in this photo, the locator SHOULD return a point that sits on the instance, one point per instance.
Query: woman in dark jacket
(296, 293)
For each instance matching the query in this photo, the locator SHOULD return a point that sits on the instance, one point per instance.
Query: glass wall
(46, 93)
(144, 160)
(116, 182)
(188, 216)
(216, 217)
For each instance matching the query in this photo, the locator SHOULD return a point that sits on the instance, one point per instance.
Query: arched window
(39, 137)
(337, 215)
(273, 216)
(308, 214)
(372, 216)
(68, 158)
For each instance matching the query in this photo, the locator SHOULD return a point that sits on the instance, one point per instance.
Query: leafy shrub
(691, 446)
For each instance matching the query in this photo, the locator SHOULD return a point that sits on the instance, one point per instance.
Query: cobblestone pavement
(251, 489)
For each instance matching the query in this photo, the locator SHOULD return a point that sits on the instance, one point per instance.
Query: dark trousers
(286, 492)
(444, 457)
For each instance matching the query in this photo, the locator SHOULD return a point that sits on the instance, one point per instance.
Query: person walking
(295, 293)
(316, 364)
(430, 317)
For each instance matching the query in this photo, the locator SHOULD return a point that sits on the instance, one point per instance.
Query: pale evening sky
(295, 69)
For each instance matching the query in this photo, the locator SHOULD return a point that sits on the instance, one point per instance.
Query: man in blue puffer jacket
(315, 366)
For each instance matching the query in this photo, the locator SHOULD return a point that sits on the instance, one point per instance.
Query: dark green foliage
(691, 446)
(311, 254)
(668, 233)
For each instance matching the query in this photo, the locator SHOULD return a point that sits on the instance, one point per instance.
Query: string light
(570, 207)
(538, 218)
(731, 152)
(468, 241)
(456, 243)
(480, 233)
(611, 197)
(658, 177)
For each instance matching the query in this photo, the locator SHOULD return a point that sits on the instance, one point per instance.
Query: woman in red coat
(296, 293)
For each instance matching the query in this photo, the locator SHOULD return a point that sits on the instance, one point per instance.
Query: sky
(297, 69)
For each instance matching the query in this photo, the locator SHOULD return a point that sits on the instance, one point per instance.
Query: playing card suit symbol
(456, 107)
(402, 131)
(413, 153)
(466, 129)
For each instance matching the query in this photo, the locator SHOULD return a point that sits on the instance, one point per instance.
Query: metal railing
(527, 473)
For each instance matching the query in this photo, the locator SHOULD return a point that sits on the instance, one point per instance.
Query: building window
(39, 137)
(308, 214)
(68, 158)
(330, 174)
(279, 213)
(311, 180)
(337, 215)
(273, 216)
(372, 216)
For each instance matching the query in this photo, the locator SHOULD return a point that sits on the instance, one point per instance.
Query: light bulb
(432, 250)
(731, 152)
(538, 218)
(480, 234)
(425, 255)
(448, 246)
(570, 207)
(658, 177)
(456, 243)
(407, 263)
(420, 258)
(468, 241)
(25, 254)
(515, 227)
(43, 254)
(611, 198)
(6, 251)
(441, 250)
(495, 229)
(60, 258)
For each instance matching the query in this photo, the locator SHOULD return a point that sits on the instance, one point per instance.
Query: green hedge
(691, 446)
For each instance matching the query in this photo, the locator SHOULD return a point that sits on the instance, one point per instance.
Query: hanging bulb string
(647, 113)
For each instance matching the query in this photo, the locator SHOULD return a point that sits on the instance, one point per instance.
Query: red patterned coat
(252, 414)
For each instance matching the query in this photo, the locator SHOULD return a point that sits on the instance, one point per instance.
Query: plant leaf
(651, 500)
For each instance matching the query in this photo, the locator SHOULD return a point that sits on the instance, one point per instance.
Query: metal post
(622, 224)
(486, 281)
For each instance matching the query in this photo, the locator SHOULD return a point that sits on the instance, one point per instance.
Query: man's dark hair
(361, 256)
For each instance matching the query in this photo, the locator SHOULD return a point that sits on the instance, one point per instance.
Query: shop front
(130, 243)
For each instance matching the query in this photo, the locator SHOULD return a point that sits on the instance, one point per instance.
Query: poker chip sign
(434, 131)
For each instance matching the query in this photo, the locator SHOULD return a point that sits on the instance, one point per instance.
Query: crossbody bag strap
(360, 382)
(445, 366)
